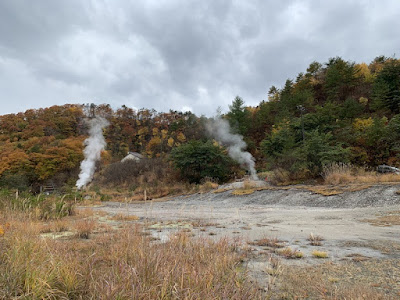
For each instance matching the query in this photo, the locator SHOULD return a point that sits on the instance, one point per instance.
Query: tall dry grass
(341, 173)
(124, 264)
(328, 281)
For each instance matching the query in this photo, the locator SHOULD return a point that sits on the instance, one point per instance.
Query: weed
(123, 217)
(332, 281)
(242, 192)
(315, 240)
(389, 219)
(289, 253)
(356, 257)
(84, 228)
(319, 254)
(340, 173)
(60, 226)
(268, 242)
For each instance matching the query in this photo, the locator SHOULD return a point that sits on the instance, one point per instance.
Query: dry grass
(207, 186)
(242, 192)
(268, 242)
(339, 173)
(124, 217)
(315, 240)
(248, 188)
(319, 254)
(356, 257)
(390, 219)
(289, 253)
(334, 190)
(60, 226)
(122, 264)
(84, 228)
(222, 190)
(328, 281)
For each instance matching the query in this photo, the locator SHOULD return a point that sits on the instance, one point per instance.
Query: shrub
(197, 160)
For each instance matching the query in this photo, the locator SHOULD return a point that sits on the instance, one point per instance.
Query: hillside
(339, 111)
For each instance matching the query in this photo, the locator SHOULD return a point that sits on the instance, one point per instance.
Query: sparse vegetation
(315, 240)
(242, 192)
(337, 281)
(328, 130)
(124, 217)
(389, 219)
(289, 253)
(319, 254)
(341, 173)
(268, 242)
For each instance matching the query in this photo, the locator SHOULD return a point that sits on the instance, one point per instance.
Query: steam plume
(94, 144)
(221, 131)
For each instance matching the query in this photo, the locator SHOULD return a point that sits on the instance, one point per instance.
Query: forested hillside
(339, 111)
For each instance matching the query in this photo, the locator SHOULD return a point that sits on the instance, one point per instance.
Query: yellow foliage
(275, 129)
(364, 72)
(1, 231)
(164, 133)
(362, 124)
(13, 159)
(252, 110)
(363, 101)
(152, 146)
(216, 144)
(171, 142)
(155, 141)
(142, 131)
(155, 131)
(181, 137)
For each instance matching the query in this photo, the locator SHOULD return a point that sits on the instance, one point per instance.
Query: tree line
(339, 111)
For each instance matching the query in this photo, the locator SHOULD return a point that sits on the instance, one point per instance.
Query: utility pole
(302, 109)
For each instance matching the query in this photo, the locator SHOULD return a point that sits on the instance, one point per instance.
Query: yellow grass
(319, 254)
(340, 173)
(123, 264)
(124, 217)
(289, 253)
(241, 192)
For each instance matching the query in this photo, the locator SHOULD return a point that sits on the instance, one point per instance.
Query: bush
(197, 160)
(14, 181)
(318, 150)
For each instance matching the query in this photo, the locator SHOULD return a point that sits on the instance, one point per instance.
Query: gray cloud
(177, 54)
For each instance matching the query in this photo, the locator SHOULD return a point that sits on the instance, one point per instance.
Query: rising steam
(94, 144)
(221, 131)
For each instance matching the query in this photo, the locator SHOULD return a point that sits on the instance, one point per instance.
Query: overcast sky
(182, 55)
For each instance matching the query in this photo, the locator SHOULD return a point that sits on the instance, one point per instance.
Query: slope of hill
(339, 111)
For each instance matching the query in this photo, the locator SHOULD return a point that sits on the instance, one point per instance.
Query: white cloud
(177, 54)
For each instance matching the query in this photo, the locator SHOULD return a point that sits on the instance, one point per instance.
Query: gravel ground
(291, 214)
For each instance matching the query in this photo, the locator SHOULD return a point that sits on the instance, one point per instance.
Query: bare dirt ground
(362, 225)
